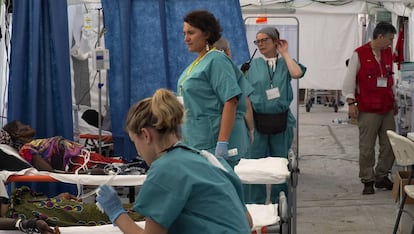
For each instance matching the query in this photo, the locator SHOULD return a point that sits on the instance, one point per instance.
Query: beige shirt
(349, 85)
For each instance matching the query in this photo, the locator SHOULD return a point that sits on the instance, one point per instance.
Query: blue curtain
(147, 50)
(40, 82)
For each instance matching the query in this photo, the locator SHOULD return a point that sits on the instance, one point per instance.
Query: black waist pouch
(270, 123)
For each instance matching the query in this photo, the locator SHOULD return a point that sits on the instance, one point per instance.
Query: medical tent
(329, 31)
(145, 43)
(146, 47)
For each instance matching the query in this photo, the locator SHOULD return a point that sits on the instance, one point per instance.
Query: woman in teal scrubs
(272, 94)
(186, 191)
(213, 100)
(223, 45)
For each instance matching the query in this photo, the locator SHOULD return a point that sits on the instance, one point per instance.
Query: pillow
(11, 160)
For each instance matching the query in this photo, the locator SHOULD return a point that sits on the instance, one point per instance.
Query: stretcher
(268, 218)
(102, 229)
(326, 97)
(272, 170)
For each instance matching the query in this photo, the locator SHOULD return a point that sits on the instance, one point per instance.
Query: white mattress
(263, 215)
(115, 180)
(269, 170)
(109, 228)
(118, 180)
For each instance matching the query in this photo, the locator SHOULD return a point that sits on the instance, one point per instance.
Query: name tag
(272, 93)
(382, 82)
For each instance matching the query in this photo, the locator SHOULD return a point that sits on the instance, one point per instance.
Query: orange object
(31, 178)
(105, 138)
(261, 20)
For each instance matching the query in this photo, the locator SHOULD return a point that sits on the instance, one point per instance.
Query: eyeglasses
(263, 40)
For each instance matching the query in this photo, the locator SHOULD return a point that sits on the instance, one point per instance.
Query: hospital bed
(272, 170)
(90, 136)
(102, 229)
(267, 218)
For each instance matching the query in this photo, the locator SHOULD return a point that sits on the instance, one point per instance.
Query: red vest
(370, 97)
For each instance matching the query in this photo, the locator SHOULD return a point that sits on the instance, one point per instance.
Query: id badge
(382, 82)
(272, 93)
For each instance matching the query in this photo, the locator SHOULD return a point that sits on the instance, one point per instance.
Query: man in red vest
(368, 88)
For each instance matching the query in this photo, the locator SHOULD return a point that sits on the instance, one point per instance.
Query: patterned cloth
(5, 138)
(55, 150)
(27, 204)
(60, 153)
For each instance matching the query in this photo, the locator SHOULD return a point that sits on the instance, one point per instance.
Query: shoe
(384, 183)
(368, 188)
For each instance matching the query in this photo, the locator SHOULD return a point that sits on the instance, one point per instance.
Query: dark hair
(206, 22)
(383, 28)
(12, 127)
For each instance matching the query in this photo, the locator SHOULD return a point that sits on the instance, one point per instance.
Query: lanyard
(189, 70)
(272, 72)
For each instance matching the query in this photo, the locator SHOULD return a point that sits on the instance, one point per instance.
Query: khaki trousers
(370, 126)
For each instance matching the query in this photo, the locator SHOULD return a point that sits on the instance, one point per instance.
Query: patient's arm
(40, 164)
(41, 225)
(68, 196)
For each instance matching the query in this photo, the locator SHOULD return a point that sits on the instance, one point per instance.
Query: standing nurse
(271, 78)
(213, 100)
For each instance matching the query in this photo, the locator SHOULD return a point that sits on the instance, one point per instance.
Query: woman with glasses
(271, 77)
(211, 91)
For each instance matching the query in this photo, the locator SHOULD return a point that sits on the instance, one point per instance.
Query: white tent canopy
(329, 32)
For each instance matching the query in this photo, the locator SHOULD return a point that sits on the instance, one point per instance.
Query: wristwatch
(353, 103)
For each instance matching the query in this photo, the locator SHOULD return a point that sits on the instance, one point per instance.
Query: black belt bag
(270, 123)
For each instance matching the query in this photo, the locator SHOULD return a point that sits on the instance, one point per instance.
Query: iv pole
(100, 85)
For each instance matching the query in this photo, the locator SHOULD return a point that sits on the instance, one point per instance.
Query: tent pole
(99, 89)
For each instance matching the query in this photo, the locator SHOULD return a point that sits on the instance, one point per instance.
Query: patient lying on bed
(55, 154)
(63, 210)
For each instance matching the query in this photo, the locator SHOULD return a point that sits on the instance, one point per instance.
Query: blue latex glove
(222, 149)
(107, 199)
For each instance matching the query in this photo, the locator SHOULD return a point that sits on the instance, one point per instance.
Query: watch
(353, 103)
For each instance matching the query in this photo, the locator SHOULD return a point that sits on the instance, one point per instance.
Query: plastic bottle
(340, 121)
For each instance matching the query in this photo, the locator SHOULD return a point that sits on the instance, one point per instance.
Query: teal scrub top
(261, 78)
(185, 193)
(205, 87)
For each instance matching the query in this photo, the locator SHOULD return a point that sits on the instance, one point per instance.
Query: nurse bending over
(184, 192)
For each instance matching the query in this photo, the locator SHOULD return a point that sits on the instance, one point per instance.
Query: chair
(403, 149)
